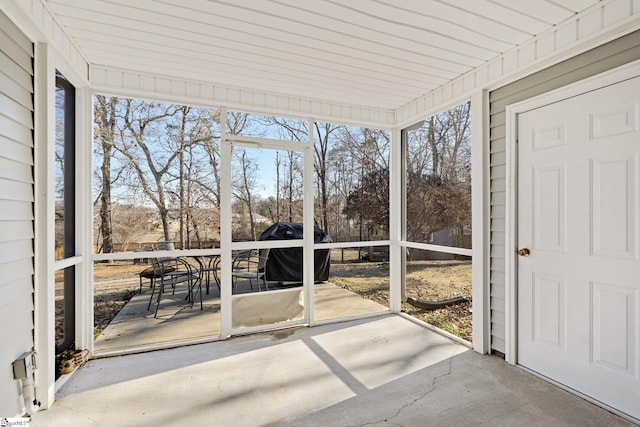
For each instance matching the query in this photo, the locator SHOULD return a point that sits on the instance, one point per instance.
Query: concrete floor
(136, 327)
(386, 370)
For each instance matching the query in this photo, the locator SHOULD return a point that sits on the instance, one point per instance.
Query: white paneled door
(579, 220)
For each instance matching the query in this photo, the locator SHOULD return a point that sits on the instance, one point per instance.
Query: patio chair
(156, 270)
(197, 271)
(210, 267)
(181, 270)
(246, 266)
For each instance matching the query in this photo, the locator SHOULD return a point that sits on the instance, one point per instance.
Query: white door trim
(607, 78)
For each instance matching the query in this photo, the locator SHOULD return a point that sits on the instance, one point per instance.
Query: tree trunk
(181, 172)
(290, 195)
(435, 155)
(105, 112)
(277, 215)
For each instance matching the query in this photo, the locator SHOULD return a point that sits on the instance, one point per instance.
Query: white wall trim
(39, 24)
(46, 62)
(17, 13)
(599, 24)
(607, 78)
(147, 86)
(480, 208)
(44, 227)
(84, 220)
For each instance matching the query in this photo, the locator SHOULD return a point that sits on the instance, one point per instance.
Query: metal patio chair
(210, 267)
(156, 270)
(184, 270)
(249, 265)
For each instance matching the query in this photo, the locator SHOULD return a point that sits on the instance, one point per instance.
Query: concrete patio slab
(135, 326)
(387, 370)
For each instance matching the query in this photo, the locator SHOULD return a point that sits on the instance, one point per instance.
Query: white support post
(84, 220)
(44, 179)
(480, 208)
(225, 229)
(395, 222)
(308, 222)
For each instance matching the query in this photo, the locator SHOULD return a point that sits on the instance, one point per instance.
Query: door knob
(524, 252)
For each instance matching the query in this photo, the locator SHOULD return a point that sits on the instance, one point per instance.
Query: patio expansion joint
(389, 420)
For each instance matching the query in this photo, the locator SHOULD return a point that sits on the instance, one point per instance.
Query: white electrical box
(25, 365)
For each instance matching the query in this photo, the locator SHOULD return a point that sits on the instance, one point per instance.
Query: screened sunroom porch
(385, 67)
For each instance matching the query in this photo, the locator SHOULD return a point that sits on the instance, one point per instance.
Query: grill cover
(285, 264)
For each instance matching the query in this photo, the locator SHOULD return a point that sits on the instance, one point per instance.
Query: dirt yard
(425, 280)
(117, 282)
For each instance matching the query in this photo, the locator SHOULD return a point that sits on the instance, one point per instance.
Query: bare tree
(441, 147)
(342, 178)
(130, 223)
(195, 194)
(320, 165)
(164, 155)
(142, 147)
(293, 187)
(355, 157)
(324, 138)
(278, 161)
(369, 201)
(369, 148)
(244, 181)
(438, 166)
(187, 135)
(105, 131)
(435, 204)
(293, 130)
(244, 184)
(59, 171)
(211, 147)
(237, 122)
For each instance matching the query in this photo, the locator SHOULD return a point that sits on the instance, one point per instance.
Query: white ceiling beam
(132, 84)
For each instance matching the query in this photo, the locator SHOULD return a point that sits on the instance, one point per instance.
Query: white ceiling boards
(380, 54)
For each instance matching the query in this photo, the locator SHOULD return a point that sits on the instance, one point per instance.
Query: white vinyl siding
(608, 56)
(16, 206)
